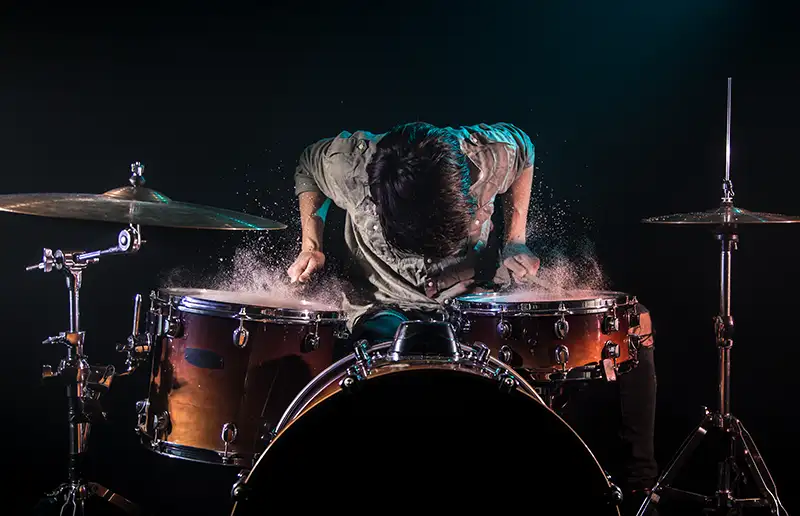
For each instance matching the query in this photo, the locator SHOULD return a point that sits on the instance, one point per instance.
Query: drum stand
(83, 383)
(737, 439)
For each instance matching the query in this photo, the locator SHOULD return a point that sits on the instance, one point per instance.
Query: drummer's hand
(518, 263)
(305, 265)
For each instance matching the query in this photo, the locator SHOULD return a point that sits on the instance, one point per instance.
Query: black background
(625, 103)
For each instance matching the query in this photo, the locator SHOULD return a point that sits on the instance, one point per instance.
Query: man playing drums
(419, 203)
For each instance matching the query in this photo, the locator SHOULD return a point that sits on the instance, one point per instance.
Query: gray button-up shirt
(336, 167)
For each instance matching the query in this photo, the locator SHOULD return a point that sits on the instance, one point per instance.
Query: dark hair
(419, 181)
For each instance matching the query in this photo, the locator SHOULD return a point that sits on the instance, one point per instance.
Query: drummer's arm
(515, 208)
(313, 211)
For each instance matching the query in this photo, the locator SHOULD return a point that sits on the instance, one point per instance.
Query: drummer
(420, 227)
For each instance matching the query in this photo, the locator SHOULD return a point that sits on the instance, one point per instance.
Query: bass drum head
(427, 438)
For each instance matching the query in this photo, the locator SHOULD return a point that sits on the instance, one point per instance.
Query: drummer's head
(419, 180)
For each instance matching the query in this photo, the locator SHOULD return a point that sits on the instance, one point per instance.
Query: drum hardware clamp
(74, 372)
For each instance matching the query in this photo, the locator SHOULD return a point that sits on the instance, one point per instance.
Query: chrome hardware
(610, 323)
(138, 345)
(633, 318)
(229, 433)
(348, 383)
(267, 433)
(341, 334)
(137, 174)
(562, 355)
(161, 424)
(481, 353)
(507, 383)
(504, 329)
(465, 324)
(239, 489)
(505, 354)
(360, 350)
(141, 413)
(311, 342)
(173, 328)
(241, 336)
(611, 350)
(561, 328)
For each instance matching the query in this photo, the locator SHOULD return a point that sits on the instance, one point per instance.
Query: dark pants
(616, 420)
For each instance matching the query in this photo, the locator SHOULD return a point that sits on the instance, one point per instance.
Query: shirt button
(375, 227)
(429, 260)
(361, 146)
(430, 283)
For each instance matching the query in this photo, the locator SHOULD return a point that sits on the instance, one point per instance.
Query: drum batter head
(541, 301)
(256, 305)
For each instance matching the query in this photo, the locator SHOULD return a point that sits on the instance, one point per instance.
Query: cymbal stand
(738, 442)
(83, 383)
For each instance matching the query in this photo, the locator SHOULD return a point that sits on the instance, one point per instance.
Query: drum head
(542, 301)
(427, 438)
(254, 305)
(252, 299)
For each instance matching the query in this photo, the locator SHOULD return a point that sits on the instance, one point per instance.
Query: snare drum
(423, 423)
(580, 334)
(225, 366)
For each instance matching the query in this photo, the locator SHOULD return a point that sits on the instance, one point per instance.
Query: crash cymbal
(133, 205)
(724, 215)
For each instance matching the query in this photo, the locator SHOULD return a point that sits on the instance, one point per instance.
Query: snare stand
(737, 439)
(75, 373)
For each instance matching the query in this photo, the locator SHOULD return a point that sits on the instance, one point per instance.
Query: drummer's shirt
(384, 276)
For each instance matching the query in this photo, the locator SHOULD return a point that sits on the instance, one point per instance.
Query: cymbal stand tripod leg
(739, 443)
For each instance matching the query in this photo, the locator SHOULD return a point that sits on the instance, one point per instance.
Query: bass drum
(430, 425)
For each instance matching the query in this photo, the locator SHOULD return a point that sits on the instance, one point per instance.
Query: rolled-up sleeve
(309, 168)
(525, 148)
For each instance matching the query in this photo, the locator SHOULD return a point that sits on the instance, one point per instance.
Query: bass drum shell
(424, 435)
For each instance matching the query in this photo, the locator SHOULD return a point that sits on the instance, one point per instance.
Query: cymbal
(722, 216)
(133, 205)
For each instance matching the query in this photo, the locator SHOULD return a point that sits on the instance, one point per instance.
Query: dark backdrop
(625, 102)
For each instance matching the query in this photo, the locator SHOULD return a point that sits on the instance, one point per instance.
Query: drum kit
(250, 380)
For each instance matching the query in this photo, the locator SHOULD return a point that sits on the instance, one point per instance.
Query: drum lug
(507, 383)
(310, 343)
(240, 490)
(349, 383)
(634, 343)
(161, 424)
(611, 350)
(633, 318)
(142, 406)
(614, 492)
(504, 329)
(267, 433)
(562, 355)
(561, 328)
(173, 328)
(610, 323)
(241, 336)
(505, 354)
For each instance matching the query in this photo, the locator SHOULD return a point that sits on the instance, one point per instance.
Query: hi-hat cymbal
(722, 216)
(133, 205)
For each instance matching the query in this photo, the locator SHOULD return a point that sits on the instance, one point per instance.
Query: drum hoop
(247, 312)
(324, 379)
(593, 305)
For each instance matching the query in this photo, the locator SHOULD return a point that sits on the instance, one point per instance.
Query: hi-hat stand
(740, 446)
(84, 383)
